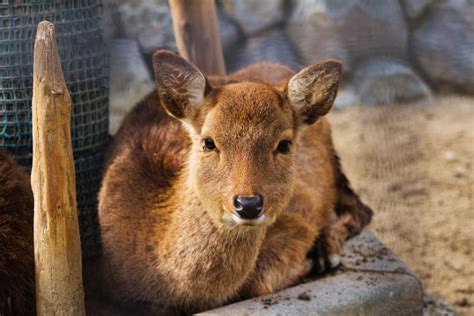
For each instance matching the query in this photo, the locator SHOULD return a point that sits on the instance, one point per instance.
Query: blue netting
(84, 60)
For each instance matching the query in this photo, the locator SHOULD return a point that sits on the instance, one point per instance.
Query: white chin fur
(240, 221)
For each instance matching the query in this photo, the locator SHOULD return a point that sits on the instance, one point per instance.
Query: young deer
(217, 189)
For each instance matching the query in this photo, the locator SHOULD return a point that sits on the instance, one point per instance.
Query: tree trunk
(59, 289)
(196, 31)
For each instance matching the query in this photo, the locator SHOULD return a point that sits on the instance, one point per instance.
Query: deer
(17, 266)
(222, 188)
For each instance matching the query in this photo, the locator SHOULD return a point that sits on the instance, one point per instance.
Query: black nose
(248, 207)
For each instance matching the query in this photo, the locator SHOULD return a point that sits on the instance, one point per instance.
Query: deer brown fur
(17, 270)
(171, 236)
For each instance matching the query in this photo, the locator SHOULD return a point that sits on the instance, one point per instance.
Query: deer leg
(349, 218)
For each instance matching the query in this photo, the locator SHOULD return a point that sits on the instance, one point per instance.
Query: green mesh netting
(84, 59)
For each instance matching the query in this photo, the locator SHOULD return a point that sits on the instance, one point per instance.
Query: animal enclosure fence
(84, 60)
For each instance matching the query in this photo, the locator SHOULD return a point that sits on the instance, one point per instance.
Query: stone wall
(392, 50)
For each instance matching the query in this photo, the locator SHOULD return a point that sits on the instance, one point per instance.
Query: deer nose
(248, 207)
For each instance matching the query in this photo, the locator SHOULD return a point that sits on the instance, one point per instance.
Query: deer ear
(180, 85)
(312, 90)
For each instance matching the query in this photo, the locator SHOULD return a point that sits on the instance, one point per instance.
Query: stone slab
(370, 281)
(366, 253)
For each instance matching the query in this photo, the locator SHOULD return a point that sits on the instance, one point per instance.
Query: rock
(414, 8)
(130, 80)
(313, 32)
(346, 96)
(351, 293)
(348, 30)
(434, 306)
(387, 81)
(443, 45)
(269, 46)
(371, 28)
(148, 22)
(255, 15)
(229, 30)
(379, 285)
(316, 44)
(109, 20)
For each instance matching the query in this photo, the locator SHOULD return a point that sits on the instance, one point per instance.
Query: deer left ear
(180, 85)
(312, 90)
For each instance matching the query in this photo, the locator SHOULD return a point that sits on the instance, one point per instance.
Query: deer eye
(284, 147)
(209, 144)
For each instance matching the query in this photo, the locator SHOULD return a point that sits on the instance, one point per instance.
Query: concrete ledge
(370, 281)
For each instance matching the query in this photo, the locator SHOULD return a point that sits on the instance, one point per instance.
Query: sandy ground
(414, 166)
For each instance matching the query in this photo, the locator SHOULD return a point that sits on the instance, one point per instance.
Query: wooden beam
(196, 31)
(59, 289)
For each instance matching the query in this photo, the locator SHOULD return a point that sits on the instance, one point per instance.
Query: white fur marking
(334, 260)
(298, 87)
(237, 220)
(196, 86)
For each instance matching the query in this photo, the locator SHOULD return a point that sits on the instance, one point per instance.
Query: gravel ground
(414, 166)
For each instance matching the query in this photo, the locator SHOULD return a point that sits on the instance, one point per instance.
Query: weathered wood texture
(59, 289)
(196, 31)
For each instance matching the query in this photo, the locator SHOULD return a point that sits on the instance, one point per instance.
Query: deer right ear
(312, 90)
(180, 85)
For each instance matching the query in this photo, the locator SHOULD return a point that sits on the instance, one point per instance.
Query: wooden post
(59, 289)
(196, 31)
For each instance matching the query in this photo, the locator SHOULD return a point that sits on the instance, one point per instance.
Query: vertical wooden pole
(59, 289)
(196, 31)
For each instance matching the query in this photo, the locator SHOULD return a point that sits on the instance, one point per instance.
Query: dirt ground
(414, 166)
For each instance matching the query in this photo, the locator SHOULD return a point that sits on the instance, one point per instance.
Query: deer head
(241, 163)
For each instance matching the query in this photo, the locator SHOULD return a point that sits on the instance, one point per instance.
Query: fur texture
(170, 236)
(17, 275)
